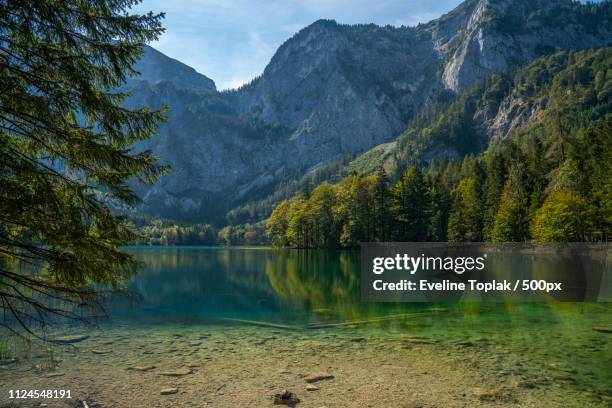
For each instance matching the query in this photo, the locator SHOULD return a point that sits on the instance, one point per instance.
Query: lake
(232, 326)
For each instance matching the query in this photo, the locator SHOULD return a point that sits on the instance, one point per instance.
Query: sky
(231, 41)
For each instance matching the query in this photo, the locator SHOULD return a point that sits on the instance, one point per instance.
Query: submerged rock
(603, 329)
(101, 351)
(71, 339)
(286, 397)
(168, 391)
(314, 377)
(311, 387)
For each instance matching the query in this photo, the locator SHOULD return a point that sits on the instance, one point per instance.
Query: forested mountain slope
(500, 105)
(547, 175)
(333, 91)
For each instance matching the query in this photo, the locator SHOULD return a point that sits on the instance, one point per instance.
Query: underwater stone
(286, 397)
(602, 329)
(168, 391)
(71, 339)
(314, 377)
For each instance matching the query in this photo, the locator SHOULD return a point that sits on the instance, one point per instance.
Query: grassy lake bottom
(231, 327)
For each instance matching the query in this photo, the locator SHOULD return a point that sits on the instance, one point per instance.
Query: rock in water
(311, 387)
(177, 373)
(168, 391)
(70, 339)
(101, 351)
(603, 329)
(53, 375)
(314, 377)
(286, 397)
(142, 368)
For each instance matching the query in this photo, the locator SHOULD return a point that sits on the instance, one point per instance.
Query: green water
(209, 285)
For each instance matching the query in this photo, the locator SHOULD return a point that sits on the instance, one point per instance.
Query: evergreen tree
(511, 222)
(409, 207)
(492, 190)
(465, 221)
(380, 191)
(438, 207)
(65, 152)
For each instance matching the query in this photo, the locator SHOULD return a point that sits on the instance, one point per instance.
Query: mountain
(549, 179)
(500, 106)
(155, 68)
(334, 91)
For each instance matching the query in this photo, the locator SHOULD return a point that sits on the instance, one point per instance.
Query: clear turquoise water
(205, 285)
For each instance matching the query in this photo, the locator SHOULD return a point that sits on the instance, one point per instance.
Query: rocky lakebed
(242, 365)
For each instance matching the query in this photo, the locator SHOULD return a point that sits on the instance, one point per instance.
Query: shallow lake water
(232, 326)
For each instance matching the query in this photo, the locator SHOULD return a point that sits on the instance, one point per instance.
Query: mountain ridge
(333, 91)
(155, 67)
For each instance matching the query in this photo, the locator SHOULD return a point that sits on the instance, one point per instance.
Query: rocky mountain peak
(319, 39)
(481, 37)
(155, 68)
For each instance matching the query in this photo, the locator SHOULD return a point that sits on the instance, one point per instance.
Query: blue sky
(231, 41)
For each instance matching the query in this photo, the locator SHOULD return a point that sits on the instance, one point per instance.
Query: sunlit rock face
(488, 36)
(329, 91)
